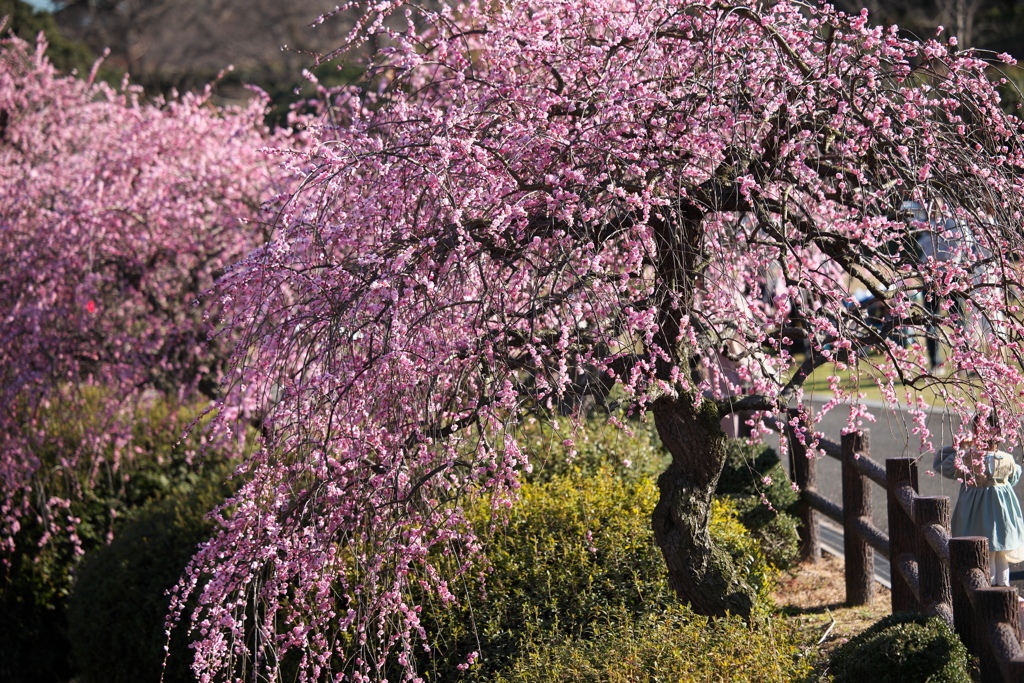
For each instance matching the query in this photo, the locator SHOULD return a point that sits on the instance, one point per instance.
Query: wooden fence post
(901, 473)
(860, 557)
(931, 515)
(968, 563)
(802, 472)
(998, 605)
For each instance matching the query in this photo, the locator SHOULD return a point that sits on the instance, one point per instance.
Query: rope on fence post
(803, 473)
(968, 563)
(860, 557)
(932, 516)
(901, 477)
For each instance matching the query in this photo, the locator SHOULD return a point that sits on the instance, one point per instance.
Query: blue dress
(991, 511)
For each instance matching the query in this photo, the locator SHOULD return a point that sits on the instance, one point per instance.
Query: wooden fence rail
(931, 572)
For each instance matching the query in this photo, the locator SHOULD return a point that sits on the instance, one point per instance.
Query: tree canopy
(115, 217)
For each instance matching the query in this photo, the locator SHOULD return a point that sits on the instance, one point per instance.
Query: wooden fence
(931, 572)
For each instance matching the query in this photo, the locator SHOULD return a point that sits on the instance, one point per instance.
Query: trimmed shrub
(598, 446)
(576, 551)
(575, 562)
(676, 646)
(753, 470)
(750, 470)
(901, 648)
(774, 529)
(747, 554)
(120, 603)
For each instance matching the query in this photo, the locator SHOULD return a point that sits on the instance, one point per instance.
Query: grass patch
(860, 380)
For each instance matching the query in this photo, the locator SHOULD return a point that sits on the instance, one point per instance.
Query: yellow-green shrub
(632, 452)
(727, 530)
(575, 564)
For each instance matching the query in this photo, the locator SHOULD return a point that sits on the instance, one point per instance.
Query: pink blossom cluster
(116, 215)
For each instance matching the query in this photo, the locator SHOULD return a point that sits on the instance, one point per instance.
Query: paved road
(891, 437)
(831, 535)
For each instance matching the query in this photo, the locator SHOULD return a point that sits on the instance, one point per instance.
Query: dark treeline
(996, 25)
(168, 45)
(989, 26)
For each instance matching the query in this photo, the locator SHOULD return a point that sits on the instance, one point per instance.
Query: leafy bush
(37, 580)
(119, 605)
(746, 467)
(576, 550)
(774, 529)
(902, 647)
(754, 479)
(676, 646)
(747, 554)
(634, 451)
(575, 562)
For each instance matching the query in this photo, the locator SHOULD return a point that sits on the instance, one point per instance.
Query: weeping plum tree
(114, 219)
(538, 206)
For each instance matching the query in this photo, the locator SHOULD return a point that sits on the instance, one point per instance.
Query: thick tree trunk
(699, 572)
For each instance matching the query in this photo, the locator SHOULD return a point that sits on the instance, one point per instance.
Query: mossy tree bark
(700, 572)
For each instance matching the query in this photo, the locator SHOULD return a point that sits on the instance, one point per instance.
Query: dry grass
(813, 596)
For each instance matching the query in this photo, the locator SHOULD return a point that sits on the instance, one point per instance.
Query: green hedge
(675, 646)
(747, 465)
(632, 453)
(754, 480)
(575, 588)
(37, 580)
(576, 570)
(900, 648)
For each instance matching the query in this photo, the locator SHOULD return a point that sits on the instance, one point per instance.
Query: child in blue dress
(987, 505)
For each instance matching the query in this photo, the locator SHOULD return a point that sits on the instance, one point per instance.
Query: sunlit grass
(860, 380)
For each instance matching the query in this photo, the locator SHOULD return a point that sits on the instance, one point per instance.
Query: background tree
(114, 220)
(184, 44)
(176, 36)
(542, 204)
(996, 25)
(113, 227)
